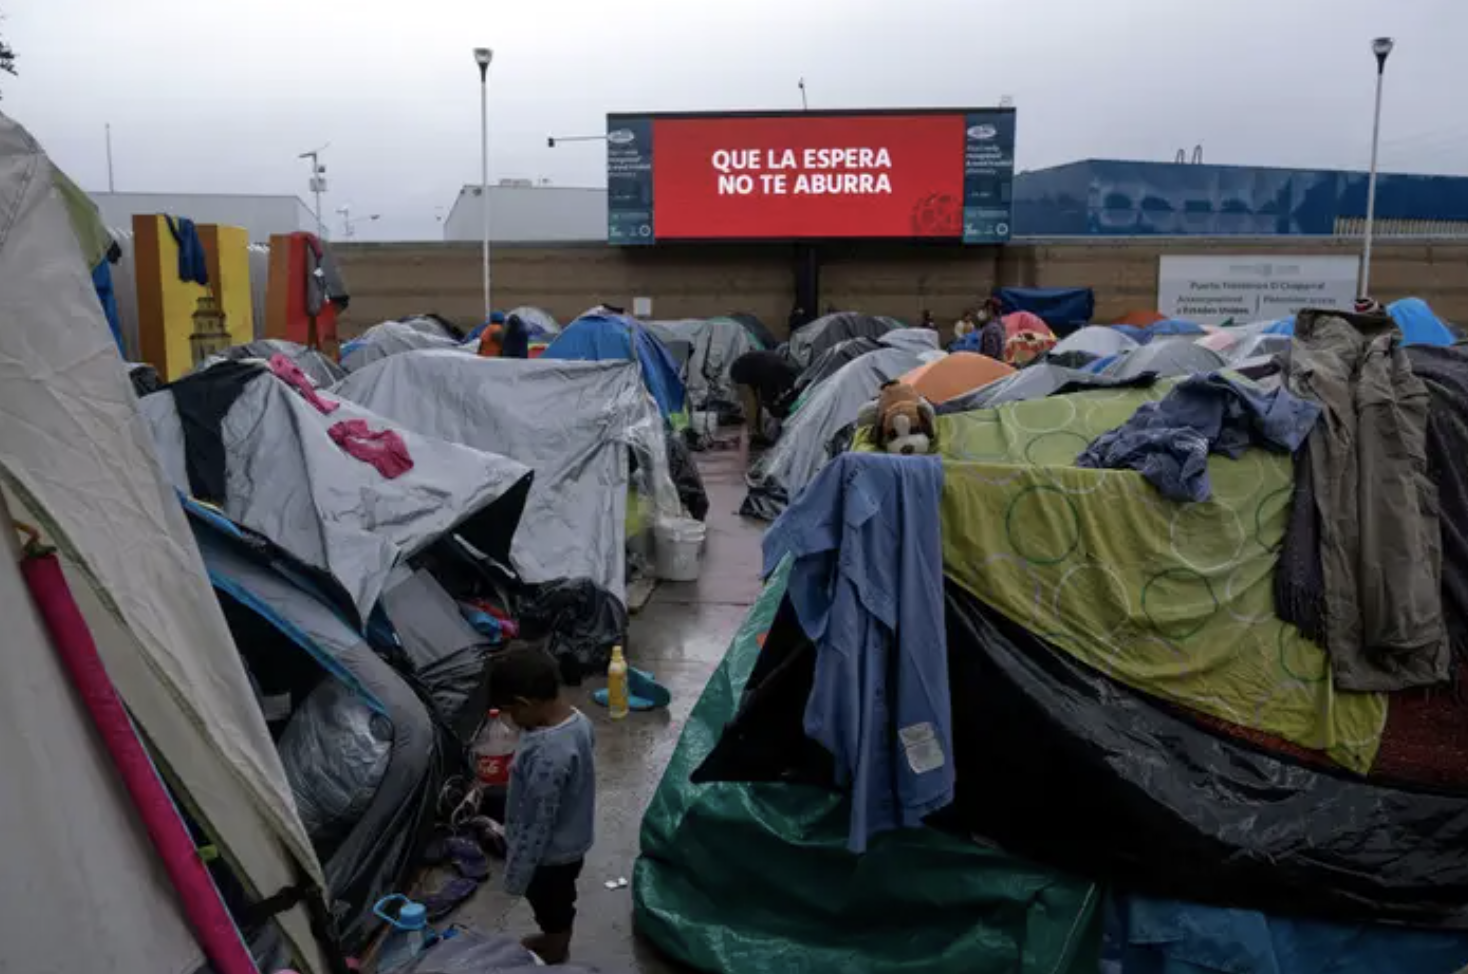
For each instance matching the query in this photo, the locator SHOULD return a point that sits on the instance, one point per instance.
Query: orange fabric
(953, 375)
(1140, 319)
(491, 341)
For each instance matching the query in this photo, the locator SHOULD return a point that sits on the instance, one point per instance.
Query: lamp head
(1381, 47)
(482, 57)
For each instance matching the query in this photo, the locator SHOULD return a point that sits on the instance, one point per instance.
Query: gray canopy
(577, 424)
(1033, 382)
(394, 338)
(288, 480)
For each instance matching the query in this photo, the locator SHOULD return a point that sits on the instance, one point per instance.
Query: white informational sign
(1211, 290)
(641, 307)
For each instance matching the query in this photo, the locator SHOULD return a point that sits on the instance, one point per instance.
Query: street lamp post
(1381, 47)
(482, 57)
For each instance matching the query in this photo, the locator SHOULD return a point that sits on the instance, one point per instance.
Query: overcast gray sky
(216, 96)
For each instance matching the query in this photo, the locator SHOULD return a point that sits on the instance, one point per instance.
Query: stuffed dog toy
(902, 421)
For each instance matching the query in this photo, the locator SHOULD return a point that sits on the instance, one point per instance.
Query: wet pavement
(680, 635)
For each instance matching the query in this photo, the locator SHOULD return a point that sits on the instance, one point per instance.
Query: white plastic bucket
(678, 543)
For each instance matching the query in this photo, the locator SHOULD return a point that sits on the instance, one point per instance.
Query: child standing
(551, 805)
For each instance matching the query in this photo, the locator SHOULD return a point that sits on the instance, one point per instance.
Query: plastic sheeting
(575, 423)
(447, 654)
(802, 450)
(581, 621)
(1063, 308)
(742, 877)
(1150, 936)
(394, 338)
(473, 952)
(287, 480)
(1059, 763)
(541, 323)
(810, 340)
(612, 337)
(335, 751)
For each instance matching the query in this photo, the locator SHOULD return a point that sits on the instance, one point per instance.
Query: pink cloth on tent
(384, 449)
(291, 373)
(73, 643)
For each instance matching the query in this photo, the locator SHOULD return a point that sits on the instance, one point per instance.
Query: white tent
(80, 886)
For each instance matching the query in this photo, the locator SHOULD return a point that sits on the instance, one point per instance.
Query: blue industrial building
(1104, 197)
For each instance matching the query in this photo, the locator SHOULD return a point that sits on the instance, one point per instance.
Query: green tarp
(757, 877)
(1174, 599)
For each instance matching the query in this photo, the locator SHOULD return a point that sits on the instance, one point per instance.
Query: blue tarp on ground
(1147, 936)
(1064, 309)
(598, 338)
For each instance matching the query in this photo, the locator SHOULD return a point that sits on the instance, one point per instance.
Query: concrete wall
(391, 280)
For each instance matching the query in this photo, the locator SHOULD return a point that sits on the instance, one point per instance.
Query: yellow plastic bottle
(617, 685)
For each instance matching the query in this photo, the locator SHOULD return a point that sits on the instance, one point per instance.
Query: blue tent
(1419, 324)
(599, 337)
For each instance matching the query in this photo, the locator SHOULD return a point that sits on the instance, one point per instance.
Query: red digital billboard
(932, 174)
(831, 176)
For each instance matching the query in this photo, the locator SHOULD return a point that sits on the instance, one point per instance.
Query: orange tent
(1140, 319)
(954, 374)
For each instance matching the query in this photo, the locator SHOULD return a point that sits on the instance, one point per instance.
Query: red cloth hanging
(384, 449)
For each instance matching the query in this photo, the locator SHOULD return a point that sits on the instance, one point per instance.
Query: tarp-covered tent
(359, 747)
(756, 877)
(1099, 637)
(1097, 340)
(1063, 308)
(1036, 382)
(609, 337)
(811, 339)
(578, 425)
(321, 370)
(269, 462)
(1165, 359)
(542, 324)
(762, 335)
(394, 338)
(76, 459)
(804, 445)
(713, 345)
(954, 375)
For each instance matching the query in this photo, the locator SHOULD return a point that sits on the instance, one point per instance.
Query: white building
(522, 212)
(260, 216)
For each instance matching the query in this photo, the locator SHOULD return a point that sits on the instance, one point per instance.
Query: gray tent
(357, 744)
(1033, 382)
(714, 344)
(811, 339)
(1165, 359)
(537, 320)
(1097, 340)
(321, 370)
(803, 448)
(285, 478)
(81, 884)
(394, 338)
(578, 425)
